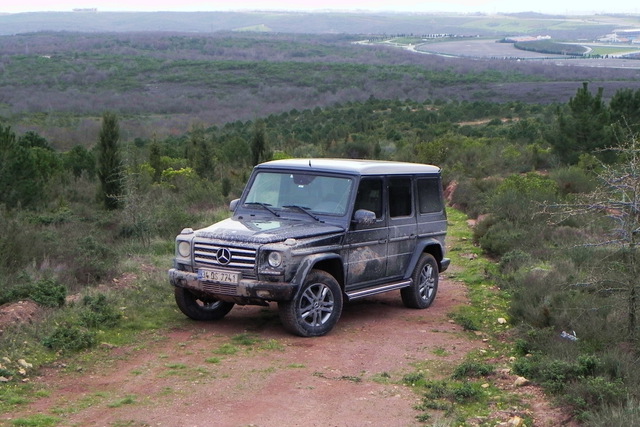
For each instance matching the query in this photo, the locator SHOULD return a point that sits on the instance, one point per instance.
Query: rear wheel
(316, 308)
(423, 290)
(199, 307)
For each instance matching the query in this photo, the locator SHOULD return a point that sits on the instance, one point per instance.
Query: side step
(361, 293)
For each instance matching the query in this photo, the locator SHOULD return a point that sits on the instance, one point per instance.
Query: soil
(350, 377)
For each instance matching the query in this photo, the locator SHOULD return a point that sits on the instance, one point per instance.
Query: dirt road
(246, 371)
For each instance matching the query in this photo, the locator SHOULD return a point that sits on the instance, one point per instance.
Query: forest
(110, 144)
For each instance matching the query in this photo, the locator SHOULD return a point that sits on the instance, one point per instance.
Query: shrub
(49, 293)
(573, 179)
(94, 260)
(97, 312)
(70, 337)
(517, 198)
(501, 238)
(592, 393)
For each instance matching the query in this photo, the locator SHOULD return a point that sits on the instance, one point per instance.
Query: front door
(366, 245)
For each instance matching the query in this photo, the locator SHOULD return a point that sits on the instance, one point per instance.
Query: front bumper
(244, 292)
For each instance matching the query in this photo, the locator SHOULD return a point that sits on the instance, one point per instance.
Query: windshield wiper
(267, 206)
(304, 210)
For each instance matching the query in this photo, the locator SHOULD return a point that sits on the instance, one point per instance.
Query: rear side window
(400, 197)
(429, 195)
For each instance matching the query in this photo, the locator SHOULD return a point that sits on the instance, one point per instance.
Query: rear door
(402, 225)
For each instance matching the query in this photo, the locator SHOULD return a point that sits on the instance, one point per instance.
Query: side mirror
(364, 217)
(233, 204)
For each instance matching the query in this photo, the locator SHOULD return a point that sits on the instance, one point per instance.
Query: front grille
(241, 258)
(220, 288)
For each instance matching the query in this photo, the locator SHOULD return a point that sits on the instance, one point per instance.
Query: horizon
(549, 7)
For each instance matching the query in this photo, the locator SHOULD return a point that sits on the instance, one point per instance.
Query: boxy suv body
(310, 234)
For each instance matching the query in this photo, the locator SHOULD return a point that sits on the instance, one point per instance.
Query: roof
(351, 166)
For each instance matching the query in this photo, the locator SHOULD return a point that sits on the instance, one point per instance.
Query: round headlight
(184, 249)
(275, 259)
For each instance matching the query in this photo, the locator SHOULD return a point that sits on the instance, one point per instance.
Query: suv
(310, 234)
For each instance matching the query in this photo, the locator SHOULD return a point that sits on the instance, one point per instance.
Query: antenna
(309, 162)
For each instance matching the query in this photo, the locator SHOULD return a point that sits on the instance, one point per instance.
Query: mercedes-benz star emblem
(224, 256)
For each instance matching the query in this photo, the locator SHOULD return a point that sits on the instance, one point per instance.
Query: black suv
(312, 233)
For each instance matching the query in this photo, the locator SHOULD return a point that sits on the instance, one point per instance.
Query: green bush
(95, 260)
(98, 312)
(49, 293)
(517, 199)
(573, 180)
(70, 337)
(502, 237)
(593, 393)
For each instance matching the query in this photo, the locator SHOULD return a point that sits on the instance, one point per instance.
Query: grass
(454, 394)
(37, 420)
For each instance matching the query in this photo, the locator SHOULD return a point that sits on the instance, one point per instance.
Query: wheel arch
(428, 246)
(331, 263)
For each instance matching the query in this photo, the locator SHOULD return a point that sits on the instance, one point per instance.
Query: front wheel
(200, 308)
(423, 290)
(316, 308)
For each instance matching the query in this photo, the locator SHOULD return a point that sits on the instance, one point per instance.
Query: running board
(361, 293)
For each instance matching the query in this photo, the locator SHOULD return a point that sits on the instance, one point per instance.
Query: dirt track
(189, 376)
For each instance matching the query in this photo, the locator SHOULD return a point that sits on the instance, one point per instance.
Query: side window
(400, 197)
(370, 196)
(429, 197)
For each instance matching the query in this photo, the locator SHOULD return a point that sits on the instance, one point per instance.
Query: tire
(316, 308)
(201, 308)
(423, 290)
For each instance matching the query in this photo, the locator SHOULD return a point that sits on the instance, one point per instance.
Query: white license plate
(219, 276)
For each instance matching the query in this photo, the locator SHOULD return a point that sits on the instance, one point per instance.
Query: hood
(265, 230)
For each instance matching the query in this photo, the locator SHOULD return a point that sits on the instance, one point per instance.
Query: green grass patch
(37, 420)
(127, 400)
(226, 349)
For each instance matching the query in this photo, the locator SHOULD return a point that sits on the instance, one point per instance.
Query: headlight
(274, 259)
(184, 249)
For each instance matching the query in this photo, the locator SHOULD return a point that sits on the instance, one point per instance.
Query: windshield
(316, 193)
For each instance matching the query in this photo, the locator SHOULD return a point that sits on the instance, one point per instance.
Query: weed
(213, 360)
(381, 378)
(415, 379)
(176, 366)
(465, 320)
(37, 420)
(351, 378)
(226, 349)
(244, 339)
(272, 344)
(127, 400)
(472, 369)
(440, 351)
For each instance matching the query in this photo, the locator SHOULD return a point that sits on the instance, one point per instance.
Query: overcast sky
(463, 6)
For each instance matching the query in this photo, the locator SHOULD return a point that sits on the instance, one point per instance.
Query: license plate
(219, 276)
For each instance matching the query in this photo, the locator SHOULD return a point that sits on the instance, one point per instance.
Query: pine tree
(109, 162)
(258, 143)
(584, 127)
